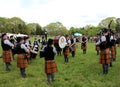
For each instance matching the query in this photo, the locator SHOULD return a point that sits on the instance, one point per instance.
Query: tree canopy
(17, 25)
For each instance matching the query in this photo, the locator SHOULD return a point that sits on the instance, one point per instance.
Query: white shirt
(24, 47)
(8, 43)
(69, 42)
(103, 38)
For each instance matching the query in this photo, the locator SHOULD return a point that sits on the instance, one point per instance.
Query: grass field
(81, 71)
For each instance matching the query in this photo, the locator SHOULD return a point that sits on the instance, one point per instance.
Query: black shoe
(7, 69)
(24, 76)
(111, 65)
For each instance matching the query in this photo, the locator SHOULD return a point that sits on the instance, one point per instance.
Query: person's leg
(106, 68)
(48, 77)
(52, 77)
(67, 59)
(97, 52)
(110, 64)
(23, 74)
(7, 66)
(73, 53)
(104, 71)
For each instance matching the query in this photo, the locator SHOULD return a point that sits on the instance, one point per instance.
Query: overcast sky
(76, 13)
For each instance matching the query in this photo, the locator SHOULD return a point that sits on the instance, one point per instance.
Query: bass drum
(60, 41)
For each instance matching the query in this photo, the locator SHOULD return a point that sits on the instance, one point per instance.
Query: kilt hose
(97, 48)
(105, 57)
(7, 56)
(83, 46)
(50, 66)
(22, 61)
(113, 52)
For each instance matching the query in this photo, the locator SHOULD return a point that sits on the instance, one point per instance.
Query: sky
(76, 13)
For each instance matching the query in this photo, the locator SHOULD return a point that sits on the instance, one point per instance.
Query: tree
(56, 29)
(39, 30)
(105, 23)
(3, 23)
(118, 25)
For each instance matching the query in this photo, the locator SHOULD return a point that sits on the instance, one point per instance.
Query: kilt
(7, 56)
(105, 56)
(74, 47)
(21, 61)
(113, 52)
(97, 48)
(50, 66)
(67, 52)
(83, 46)
(28, 55)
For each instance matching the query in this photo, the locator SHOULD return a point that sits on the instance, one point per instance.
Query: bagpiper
(22, 51)
(84, 44)
(35, 48)
(50, 64)
(28, 45)
(7, 51)
(104, 50)
(112, 47)
(66, 52)
(73, 45)
(97, 47)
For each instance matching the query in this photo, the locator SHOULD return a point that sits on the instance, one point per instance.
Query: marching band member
(28, 45)
(12, 40)
(7, 53)
(50, 65)
(43, 42)
(97, 47)
(112, 48)
(66, 52)
(35, 48)
(22, 51)
(104, 51)
(83, 44)
(73, 45)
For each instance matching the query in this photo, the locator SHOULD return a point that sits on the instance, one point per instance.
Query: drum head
(62, 42)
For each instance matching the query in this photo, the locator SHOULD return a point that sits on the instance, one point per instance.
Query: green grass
(81, 71)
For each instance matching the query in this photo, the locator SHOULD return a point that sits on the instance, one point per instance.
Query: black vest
(72, 41)
(49, 54)
(105, 44)
(5, 46)
(19, 50)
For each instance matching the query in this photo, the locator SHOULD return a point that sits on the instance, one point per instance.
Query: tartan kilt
(115, 50)
(7, 56)
(67, 52)
(83, 46)
(50, 66)
(21, 61)
(74, 47)
(113, 53)
(97, 48)
(28, 55)
(105, 57)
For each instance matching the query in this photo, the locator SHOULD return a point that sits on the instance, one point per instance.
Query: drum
(60, 41)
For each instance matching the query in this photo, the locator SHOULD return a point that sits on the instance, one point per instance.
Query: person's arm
(98, 42)
(8, 43)
(54, 50)
(25, 48)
